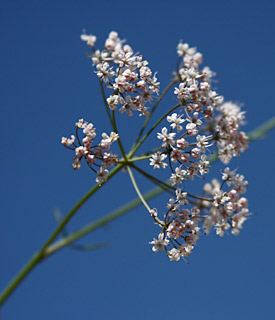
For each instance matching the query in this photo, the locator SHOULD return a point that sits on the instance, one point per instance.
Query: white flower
(167, 138)
(184, 49)
(174, 254)
(67, 141)
(81, 151)
(203, 165)
(220, 198)
(108, 140)
(191, 129)
(228, 176)
(157, 160)
(195, 153)
(114, 100)
(175, 229)
(178, 176)
(182, 92)
(182, 143)
(220, 227)
(81, 124)
(145, 73)
(76, 164)
(101, 175)
(160, 243)
(181, 197)
(239, 183)
(89, 39)
(104, 72)
(89, 131)
(176, 121)
(203, 142)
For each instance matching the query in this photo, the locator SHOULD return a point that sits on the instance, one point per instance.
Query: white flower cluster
(194, 89)
(202, 121)
(196, 96)
(92, 153)
(228, 209)
(189, 157)
(205, 120)
(222, 210)
(129, 76)
(230, 140)
(180, 228)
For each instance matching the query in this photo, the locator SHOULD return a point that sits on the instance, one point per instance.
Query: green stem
(166, 186)
(142, 157)
(40, 254)
(112, 120)
(100, 222)
(260, 131)
(50, 249)
(105, 103)
(119, 140)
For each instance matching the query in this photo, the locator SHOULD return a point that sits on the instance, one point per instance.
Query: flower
(89, 39)
(104, 71)
(210, 121)
(160, 243)
(176, 121)
(167, 138)
(157, 160)
(228, 176)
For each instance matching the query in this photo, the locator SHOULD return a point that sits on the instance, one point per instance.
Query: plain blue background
(47, 83)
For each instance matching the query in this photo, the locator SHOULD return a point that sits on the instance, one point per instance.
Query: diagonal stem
(51, 248)
(158, 221)
(40, 254)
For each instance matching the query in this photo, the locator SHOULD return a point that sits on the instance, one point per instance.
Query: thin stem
(158, 221)
(40, 255)
(112, 120)
(100, 222)
(166, 186)
(260, 131)
(137, 189)
(142, 157)
(105, 103)
(119, 140)
(253, 135)
(199, 198)
(160, 183)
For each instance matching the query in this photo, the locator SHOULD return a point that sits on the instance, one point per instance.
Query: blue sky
(48, 83)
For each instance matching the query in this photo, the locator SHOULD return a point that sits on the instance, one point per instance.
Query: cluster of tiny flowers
(127, 74)
(196, 96)
(194, 89)
(183, 143)
(204, 120)
(231, 141)
(228, 209)
(221, 210)
(97, 156)
(195, 129)
(180, 227)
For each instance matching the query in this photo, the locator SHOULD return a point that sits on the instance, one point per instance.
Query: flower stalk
(203, 121)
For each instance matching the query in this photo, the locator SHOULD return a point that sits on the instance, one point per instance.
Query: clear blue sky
(47, 83)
